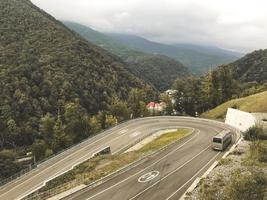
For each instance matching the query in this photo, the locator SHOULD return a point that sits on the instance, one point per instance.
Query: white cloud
(231, 24)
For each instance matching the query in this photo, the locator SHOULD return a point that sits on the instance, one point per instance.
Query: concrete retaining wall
(239, 119)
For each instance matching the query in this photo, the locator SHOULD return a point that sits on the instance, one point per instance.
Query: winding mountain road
(165, 175)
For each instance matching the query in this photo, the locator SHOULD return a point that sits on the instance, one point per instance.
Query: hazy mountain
(157, 70)
(197, 58)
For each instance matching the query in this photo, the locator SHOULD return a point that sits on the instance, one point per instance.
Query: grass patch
(101, 166)
(164, 140)
(236, 152)
(224, 161)
(253, 103)
(257, 155)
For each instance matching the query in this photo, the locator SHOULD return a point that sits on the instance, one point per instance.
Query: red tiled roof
(151, 104)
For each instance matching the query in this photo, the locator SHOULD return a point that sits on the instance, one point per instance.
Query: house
(156, 107)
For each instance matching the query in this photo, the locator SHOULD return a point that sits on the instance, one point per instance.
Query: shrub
(255, 133)
(211, 191)
(246, 185)
(237, 152)
(224, 161)
(258, 151)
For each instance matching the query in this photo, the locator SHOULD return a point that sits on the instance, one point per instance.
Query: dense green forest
(157, 70)
(244, 77)
(55, 87)
(252, 67)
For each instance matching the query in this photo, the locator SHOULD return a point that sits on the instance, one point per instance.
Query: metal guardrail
(34, 166)
(68, 186)
(140, 139)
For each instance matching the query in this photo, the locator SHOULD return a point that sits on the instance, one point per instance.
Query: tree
(167, 100)
(12, 131)
(47, 124)
(2, 134)
(119, 109)
(228, 84)
(60, 139)
(39, 148)
(143, 110)
(94, 125)
(136, 101)
(188, 96)
(75, 119)
(110, 121)
(7, 165)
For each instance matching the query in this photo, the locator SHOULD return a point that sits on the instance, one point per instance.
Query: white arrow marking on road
(135, 134)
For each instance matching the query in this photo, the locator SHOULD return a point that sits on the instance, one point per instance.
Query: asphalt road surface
(163, 176)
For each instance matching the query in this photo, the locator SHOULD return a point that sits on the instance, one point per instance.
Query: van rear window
(217, 140)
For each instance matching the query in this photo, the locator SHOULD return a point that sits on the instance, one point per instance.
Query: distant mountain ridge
(251, 67)
(157, 70)
(198, 59)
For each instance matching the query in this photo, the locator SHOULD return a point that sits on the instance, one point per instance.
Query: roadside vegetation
(56, 89)
(247, 181)
(102, 165)
(253, 103)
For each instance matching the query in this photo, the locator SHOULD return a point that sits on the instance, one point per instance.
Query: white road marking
(122, 131)
(45, 181)
(134, 134)
(137, 195)
(177, 127)
(148, 119)
(122, 181)
(148, 176)
(193, 176)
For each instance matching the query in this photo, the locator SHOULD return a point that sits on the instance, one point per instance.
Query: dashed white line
(122, 181)
(137, 195)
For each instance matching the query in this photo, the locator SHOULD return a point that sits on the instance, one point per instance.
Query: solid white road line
(137, 195)
(122, 181)
(193, 176)
(62, 171)
(27, 193)
(154, 130)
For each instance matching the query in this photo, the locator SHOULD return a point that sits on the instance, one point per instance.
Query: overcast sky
(239, 25)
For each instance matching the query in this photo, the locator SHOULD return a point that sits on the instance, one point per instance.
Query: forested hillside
(199, 59)
(55, 87)
(252, 67)
(242, 78)
(157, 70)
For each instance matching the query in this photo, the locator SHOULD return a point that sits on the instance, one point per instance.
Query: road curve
(176, 167)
